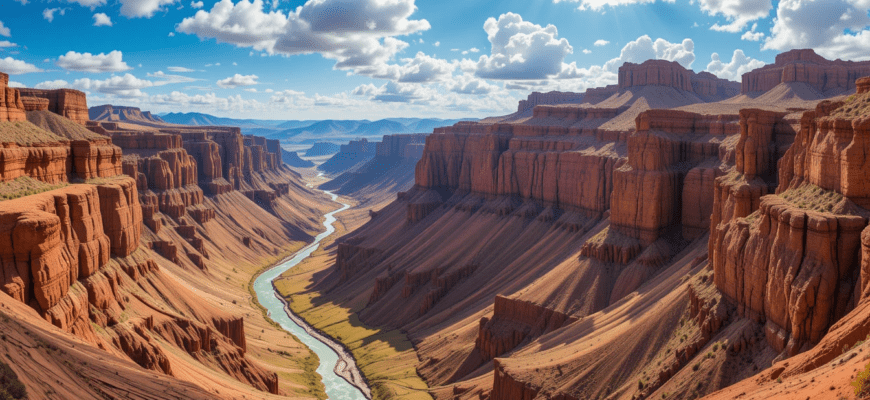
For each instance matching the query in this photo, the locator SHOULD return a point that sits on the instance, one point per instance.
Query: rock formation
(550, 98)
(672, 74)
(11, 105)
(112, 113)
(69, 103)
(805, 66)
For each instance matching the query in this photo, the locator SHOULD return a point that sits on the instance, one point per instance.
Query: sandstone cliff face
(664, 174)
(47, 163)
(537, 98)
(69, 103)
(807, 67)
(400, 146)
(56, 238)
(11, 105)
(116, 113)
(830, 152)
(792, 269)
(512, 322)
(672, 74)
(791, 260)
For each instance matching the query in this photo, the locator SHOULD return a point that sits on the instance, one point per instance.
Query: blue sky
(371, 59)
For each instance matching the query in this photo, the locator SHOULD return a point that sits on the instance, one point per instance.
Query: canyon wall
(69, 103)
(672, 74)
(11, 106)
(551, 98)
(791, 260)
(805, 66)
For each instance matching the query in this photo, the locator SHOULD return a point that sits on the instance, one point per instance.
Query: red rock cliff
(808, 67)
(69, 103)
(11, 106)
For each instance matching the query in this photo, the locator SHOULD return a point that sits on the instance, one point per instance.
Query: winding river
(337, 367)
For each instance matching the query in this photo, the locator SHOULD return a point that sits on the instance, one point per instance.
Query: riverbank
(346, 366)
(387, 359)
(336, 386)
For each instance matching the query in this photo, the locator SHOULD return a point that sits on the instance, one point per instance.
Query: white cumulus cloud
(740, 64)
(238, 80)
(101, 19)
(48, 13)
(834, 28)
(738, 12)
(644, 48)
(12, 66)
(521, 49)
(87, 62)
(597, 5)
(601, 42)
(142, 8)
(354, 33)
(4, 31)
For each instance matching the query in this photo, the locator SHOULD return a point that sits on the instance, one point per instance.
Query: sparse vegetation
(25, 186)
(813, 198)
(61, 126)
(24, 133)
(10, 386)
(862, 383)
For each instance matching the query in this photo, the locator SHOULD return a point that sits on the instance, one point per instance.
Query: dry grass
(25, 186)
(25, 133)
(812, 197)
(61, 126)
(857, 105)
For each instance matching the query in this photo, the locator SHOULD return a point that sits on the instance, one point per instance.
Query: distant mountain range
(311, 131)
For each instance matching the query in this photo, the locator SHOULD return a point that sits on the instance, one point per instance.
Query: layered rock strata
(805, 66)
(11, 105)
(69, 103)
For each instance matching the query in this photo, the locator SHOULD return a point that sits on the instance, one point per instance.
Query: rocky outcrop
(55, 238)
(830, 152)
(109, 112)
(672, 74)
(805, 66)
(790, 268)
(48, 162)
(513, 321)
(550, 98)
(34, 104)
(400, 146)
(95, 159)
(69, 103)
(793, 264)
(11, 106)
(649, 190)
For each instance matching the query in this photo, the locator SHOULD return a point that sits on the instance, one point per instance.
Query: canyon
(128, 246)
(675, 235)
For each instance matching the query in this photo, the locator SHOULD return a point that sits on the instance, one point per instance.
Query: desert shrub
(10, 386)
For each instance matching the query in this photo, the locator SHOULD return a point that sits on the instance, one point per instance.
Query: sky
(371, 59)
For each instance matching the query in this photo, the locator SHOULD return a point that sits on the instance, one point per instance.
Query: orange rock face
(830, 152)
(47, 163)
(791, 268)
(69, 103)
(671, 73)
(34, 104)
(53, 239)
(537, 98)
(11, 106)
(807, 67)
